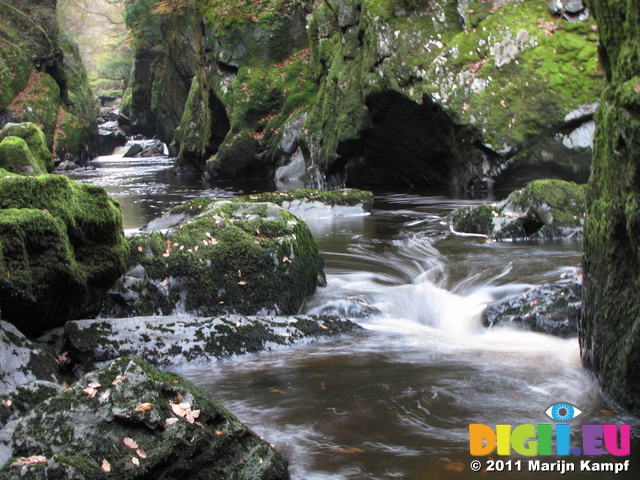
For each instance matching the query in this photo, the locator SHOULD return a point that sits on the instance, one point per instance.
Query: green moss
(16, 157)
(474, 220)
(57, 236)
(36, 141)
(348, 197)
(234, 257)
(567, 200)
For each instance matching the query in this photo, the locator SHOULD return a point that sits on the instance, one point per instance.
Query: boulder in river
(62, 247)
(544, 209)
(238, 257)
(173, 340)
(552, 308)
(131, 421)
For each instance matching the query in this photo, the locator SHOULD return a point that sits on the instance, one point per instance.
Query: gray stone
(175, 340)
(22, 361)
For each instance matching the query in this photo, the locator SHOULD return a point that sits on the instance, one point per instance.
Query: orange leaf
(32, 460)
(135, 461)
(106, 466)
(178, 410)
(143, 407)
(275, 390)
(141, 454)
(242, 282)
(129, 442)
(118, 379)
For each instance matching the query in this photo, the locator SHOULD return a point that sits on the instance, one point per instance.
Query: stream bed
(396, 400)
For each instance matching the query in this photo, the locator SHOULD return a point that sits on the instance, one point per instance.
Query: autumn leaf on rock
(178, 410)
(118, 379)
(33, 460)
(191, 415)
(141, 454)
(106, 466)
(135, 461)
(131, 443)
(143, 407)
(242, 282)
(171, 421)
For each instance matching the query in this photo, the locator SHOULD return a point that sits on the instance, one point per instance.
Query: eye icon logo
(562, 412)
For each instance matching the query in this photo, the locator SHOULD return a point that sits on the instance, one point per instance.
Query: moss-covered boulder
(544, 209)
(22, 360)
(609, 326)
(61, 247)
(36, 141)
(15, 157)
(131, 421)
(235, 257)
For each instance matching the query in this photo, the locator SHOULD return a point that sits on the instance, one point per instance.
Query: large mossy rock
(35, 140)
(131, 421)
(61, 247)
(364, 93)
(544, 209)
(22, 361)
(246, 258)
(15, 157)
(610, 322)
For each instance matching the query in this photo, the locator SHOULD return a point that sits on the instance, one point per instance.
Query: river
(395, 401)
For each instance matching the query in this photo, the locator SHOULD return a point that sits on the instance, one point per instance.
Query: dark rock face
(174, 340)
(62, 248)
(22, 360)
(552, 308)
(609, 333)
(131, 421)
(544, 209)
(432, 93)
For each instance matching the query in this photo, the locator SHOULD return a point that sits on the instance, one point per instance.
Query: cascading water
(396, 400)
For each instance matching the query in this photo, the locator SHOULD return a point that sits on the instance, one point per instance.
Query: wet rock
(67, 165)
(231, 256)
(573, 10)
(22, 361)
(551, 308)
(62, 248)
(110, 137)
(142, 148)
(175, 340)
(544, 209)
(131, 421)
(133, 150)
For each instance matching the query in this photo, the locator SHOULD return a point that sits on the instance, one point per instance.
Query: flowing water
(396, 400)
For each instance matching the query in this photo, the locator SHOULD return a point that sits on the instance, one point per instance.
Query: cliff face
(610, 323)
(439, 93)
(43, 79)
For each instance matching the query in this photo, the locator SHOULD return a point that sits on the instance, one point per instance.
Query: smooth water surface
(396, 400)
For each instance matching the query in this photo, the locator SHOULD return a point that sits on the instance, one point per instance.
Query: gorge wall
(610, 322)
(366, 93)
(43, 79)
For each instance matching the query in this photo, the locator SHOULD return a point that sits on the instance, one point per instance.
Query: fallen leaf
(324, 327)
(608, 413)
(184, 406)
(177, 410)
(346, 449)
(106, 466)
(198, 424)
(118, 379)
(165, 282)
(171, 421)
(135, 461)
(141, 454)
(275, 390)
(143, 407)
(218, 432)
(90, 391)
(191, 415)
(322, 386)
(242, 282)
(140, 249)
(179, 397)
(31, 460)
(63, 357)
(94, 385)
(131, 443)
